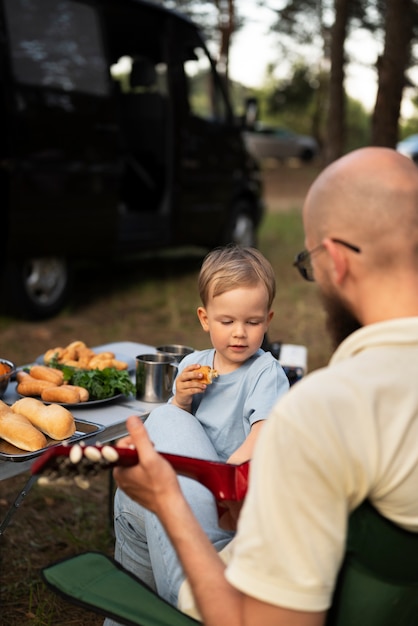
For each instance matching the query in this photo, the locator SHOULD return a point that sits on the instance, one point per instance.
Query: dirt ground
(78, 521)
(286, 185)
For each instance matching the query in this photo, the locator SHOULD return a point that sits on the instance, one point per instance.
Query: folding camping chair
(377, 584)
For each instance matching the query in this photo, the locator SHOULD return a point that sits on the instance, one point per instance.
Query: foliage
(409, 127)
(101, 384)
(357, 126)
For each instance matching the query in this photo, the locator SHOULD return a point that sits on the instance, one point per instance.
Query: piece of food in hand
(55, 421)
(29, 386)
(17, 430)
(42, 372)
(65, 394)
(208, 374)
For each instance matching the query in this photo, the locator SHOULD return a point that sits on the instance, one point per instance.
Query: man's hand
(152, 482)
(188, 383)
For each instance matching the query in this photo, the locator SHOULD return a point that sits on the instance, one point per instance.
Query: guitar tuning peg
(76, 454)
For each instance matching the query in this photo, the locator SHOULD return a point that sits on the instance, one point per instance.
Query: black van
(117, 136)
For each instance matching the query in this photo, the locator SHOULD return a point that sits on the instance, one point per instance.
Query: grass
(153, 301)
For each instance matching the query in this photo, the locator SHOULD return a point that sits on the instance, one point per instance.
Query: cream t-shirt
(343, 433)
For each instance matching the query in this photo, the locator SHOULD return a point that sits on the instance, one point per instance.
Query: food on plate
(42, 372)
(65, 394)
(208, 374)
(53, 420)
(49, 383)
(17, 430)
(83, 392)
(78, 354)
(29, 386)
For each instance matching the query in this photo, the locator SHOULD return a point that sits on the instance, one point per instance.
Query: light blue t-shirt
(235, 401)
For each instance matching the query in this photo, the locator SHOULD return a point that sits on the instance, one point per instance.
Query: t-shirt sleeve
(268, 384)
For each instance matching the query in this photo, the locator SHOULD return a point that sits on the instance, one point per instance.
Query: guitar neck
(226, 481)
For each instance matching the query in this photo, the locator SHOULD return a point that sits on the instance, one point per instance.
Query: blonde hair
(234, 266)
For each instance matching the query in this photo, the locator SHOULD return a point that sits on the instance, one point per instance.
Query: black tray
(84, 429)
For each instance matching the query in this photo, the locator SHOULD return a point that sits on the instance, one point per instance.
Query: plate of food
(73, 387)
(30, 426)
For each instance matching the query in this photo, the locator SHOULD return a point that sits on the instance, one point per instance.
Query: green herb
(100, 384)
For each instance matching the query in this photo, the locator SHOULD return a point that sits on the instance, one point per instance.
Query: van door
(211, 158)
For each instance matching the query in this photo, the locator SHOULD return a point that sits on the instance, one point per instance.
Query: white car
(279, 143)
(409, 147)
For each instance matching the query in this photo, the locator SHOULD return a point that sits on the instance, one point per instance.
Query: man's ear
(338, 257)
(203, 318)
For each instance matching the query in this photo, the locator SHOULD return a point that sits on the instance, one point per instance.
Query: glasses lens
(303, 263)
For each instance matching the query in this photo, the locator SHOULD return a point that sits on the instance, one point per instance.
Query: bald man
(345, 433)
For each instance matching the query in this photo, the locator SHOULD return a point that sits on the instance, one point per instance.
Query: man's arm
(153, 483)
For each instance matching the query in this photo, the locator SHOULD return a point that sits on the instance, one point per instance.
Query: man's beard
(340, 321)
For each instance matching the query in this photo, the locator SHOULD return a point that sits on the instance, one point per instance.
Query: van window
(56, 44)
(206, 99)
(127, 74)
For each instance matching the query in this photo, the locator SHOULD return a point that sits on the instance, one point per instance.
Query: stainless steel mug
(155, 374)
(176, 350)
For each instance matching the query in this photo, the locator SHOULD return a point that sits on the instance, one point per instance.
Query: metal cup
(176, 350)
(155, 374)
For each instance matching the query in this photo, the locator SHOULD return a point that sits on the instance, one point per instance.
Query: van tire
(242, 228)
(37, 288)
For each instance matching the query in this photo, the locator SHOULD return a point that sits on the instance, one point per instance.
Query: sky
(253, 48)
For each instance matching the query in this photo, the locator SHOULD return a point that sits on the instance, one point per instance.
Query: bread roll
(18, 430)
(208, 374)
(84, 393)
(30, 386)
(55, 421)
(22, 375)
(65, 394)
(43, 372)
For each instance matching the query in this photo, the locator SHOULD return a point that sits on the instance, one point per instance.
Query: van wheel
(38, 287)
(242, 228)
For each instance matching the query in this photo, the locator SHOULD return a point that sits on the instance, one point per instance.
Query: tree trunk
(336, 103)
(226, 25)
(391, 72)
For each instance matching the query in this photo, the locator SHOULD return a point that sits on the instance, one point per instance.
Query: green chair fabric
(377, 584)
(99, 583)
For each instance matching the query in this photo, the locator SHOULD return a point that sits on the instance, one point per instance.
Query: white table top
(112, 416)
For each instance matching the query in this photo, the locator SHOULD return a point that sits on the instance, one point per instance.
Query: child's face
(236, 322)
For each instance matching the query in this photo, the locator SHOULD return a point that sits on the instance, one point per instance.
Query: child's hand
(188, 383)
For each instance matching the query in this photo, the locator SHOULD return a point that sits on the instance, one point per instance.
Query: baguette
(17, 430)
(65, 394)
(208, 374)
(52, 375)
(55, 421)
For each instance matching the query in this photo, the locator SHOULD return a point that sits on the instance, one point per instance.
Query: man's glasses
(303, 259)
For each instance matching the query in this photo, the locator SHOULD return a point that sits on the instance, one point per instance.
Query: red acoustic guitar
(226, 481)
